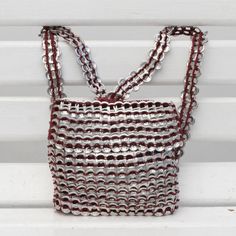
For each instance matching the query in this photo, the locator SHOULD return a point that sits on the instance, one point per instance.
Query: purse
(110, 155)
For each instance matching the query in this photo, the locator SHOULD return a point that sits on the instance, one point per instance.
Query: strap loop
(51, 57)
(148, 68)
(154, 62)
(52, 65)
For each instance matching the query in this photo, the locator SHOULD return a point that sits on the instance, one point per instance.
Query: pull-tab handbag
(110, 155)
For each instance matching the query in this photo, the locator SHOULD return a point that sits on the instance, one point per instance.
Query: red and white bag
(113, 156)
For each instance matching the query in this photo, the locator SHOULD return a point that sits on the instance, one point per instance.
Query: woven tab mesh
(116, 158)
(111, 156)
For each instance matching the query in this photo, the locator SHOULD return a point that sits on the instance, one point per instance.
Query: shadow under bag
(113, 156)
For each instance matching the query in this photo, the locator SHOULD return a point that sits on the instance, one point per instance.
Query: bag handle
(53, 66)
(147, 69)
(188, 103)
(188, 97)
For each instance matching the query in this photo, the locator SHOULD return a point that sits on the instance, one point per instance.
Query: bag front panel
(114, 158)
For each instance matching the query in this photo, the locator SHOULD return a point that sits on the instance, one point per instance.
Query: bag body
(110, 155)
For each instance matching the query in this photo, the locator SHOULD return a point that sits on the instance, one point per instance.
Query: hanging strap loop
(53, 66)
(153, 63)
(148, 68)
(188, 97)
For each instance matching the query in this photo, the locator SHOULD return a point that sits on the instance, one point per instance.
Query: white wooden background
(120, 34)
(108, 12)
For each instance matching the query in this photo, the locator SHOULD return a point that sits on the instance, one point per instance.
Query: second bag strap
(188, 97)
(154, 63)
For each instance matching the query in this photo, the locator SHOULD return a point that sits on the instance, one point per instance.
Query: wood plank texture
(107, 12)
(27, 118)
(207, 190)
(116, 59)
(201, 184)
(192, 221)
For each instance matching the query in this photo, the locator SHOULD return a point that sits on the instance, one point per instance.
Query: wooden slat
(186, 221)
(132, 12)
(28, 119)
(201, 184)
(115, 60)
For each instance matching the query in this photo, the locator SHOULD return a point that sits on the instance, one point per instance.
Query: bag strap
(147, 69)
(144, 73)
(53, 66)
(188, 96)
